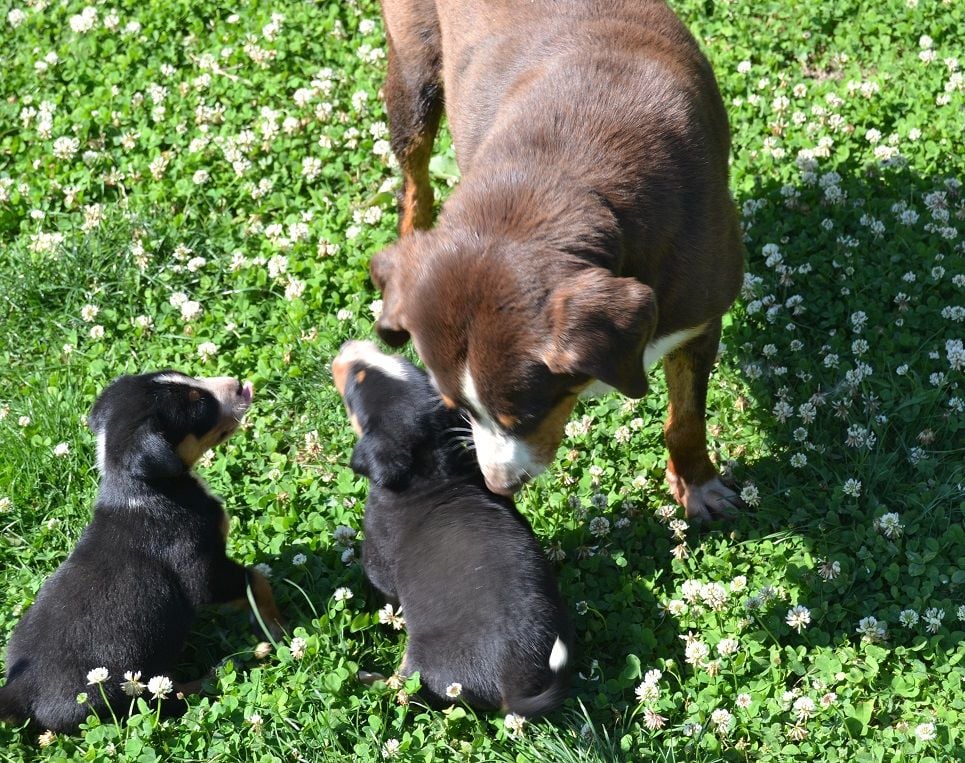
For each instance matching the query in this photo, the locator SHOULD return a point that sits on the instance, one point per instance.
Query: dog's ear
(387, 464)
(388, 272)
(151, 457)
(600, 326)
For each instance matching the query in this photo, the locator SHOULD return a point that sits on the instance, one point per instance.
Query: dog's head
(513, 340)
(396, 414)
(157, 425)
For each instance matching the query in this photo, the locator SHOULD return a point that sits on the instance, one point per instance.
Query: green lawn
(188, 186)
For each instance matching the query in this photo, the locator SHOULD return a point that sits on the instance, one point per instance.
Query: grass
(145, 136)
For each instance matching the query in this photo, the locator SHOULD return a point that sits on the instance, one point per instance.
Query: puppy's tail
(11, 710)
(552, 697)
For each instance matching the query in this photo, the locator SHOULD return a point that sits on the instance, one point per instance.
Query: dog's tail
(552, 697)
(11, 709)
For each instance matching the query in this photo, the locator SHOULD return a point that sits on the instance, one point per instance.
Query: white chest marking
(651, 354)
(657, 349)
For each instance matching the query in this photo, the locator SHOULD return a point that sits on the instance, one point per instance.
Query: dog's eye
(194, 395)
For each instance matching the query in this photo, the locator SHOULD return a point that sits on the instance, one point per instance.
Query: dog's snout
(507, 489)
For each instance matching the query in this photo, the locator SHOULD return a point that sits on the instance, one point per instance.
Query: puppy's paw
(704, 503)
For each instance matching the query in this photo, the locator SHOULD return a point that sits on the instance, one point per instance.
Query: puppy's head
(393, 409)
(513, 340)
(157, 425)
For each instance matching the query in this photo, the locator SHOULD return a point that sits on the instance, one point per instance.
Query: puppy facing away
(154, 552)
(481, 606)
(592, 232)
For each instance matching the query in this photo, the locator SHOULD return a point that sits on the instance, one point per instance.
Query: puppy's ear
(387, 464)
(151, 457)
(388, 272)
(600, 326)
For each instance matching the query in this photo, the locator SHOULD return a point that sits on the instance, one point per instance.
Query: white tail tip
(559, 656)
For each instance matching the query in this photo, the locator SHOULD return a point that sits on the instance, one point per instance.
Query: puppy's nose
(246, 390)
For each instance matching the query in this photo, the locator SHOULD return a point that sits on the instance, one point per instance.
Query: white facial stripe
(559, 656)
(503, 458)
(366, 352)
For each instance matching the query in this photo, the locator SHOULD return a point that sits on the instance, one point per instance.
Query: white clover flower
(97, 676)
(297, 647)
(798, 617)
(960, 613)
(721, 719)
(391, 749)
(743, 701)
(207, 350)
(160, 687)
(342, 593)
(696, 652)
(652, 720)
(514, 724)
(727, 647)
(852, 487)
(798, 460)
(344, 535)
(933, 619)
(829, 570)
(804, 707)
(750, 495)
(131, 685)
(61, 449)
(65, 147)
(738, 584)
(190, 310)
(925, 731)
(294, 289)
(908, 618)
(24, 421)
(599, 527)
(676, 607)
(97, 332)
(871, 629)
(714, 595)
(89, 312)
(890, 525)
(388, 616)
(262, 650)
(453, 690)
(299, 559)
(5, 504)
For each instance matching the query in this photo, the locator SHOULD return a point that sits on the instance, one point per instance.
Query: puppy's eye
(194, 395)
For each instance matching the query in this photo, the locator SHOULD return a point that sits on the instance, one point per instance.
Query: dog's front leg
(693, 479)
(413, 100)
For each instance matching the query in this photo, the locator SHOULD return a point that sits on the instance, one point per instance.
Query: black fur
(482, 608)
(126, 597)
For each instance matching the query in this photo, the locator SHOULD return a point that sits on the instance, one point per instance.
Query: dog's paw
(703, 503)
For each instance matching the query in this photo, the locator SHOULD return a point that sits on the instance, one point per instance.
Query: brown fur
(593, 216)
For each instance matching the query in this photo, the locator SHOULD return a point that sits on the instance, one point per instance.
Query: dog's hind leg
(413, 99)
(692, 477)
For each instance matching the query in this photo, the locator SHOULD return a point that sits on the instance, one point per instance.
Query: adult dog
(592, 232)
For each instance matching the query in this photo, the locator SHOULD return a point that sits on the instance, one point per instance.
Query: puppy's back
(481, 604)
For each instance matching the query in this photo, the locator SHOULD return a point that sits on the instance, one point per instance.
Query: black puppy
(154, 552)
(481, 606)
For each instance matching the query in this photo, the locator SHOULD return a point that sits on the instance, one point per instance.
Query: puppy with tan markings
(484, 616)
(591, 235)
(126, 597)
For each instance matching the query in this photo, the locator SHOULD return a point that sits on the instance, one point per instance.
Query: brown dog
(592, 232)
